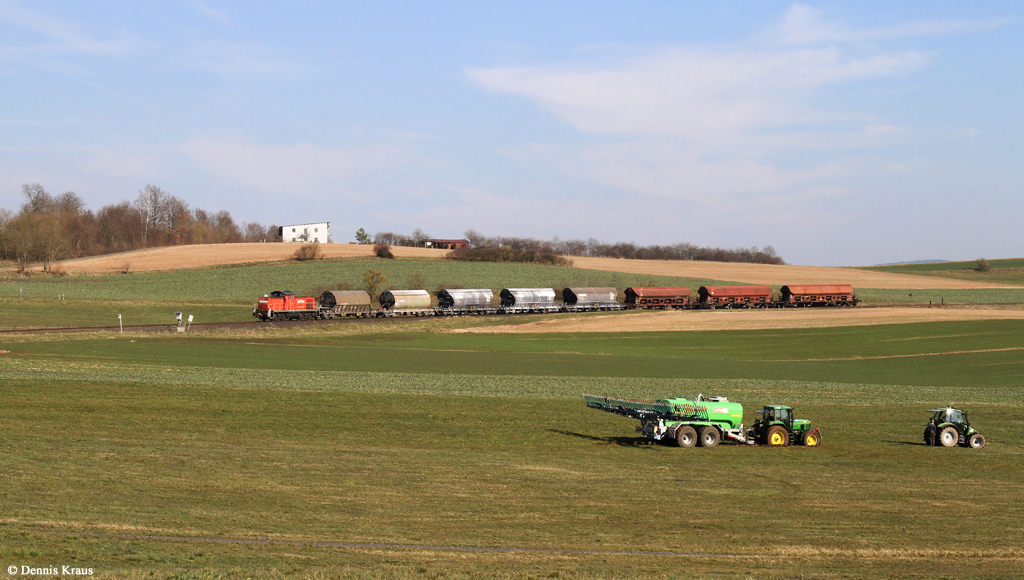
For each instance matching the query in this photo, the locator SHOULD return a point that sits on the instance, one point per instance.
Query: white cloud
(803, 24)
(686, 122)
(304, 170)
(694, 94)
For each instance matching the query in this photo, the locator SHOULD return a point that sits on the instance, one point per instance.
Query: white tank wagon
(527, 299)
(335, 303)
(477, 300)
(405, 303)
(603, 298)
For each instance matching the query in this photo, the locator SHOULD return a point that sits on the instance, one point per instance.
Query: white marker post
(119, 323)
(189, 322)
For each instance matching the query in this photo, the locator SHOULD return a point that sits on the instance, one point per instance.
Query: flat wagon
(527, 299)
(658, 297)
(603, 298)
(818, 295)
(735, 296)
(465, 301)
(405, 303)
(335, 303)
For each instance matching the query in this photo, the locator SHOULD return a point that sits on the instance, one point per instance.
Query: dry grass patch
(676, 320)
(777, 275)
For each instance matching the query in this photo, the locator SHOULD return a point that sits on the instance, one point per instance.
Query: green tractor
(952, 428)
(778, 427)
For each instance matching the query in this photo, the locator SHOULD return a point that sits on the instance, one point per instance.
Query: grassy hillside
(249, 282)
(388, 447)
(1008, 271)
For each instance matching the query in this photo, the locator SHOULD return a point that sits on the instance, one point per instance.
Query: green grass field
(1007, 271)
(247, 283)
(436, 455)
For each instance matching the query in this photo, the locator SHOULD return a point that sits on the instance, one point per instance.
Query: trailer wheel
(777, 436)
(949, 436)
(812, 438)
(686, 436)
(709, 436)
(977, 441)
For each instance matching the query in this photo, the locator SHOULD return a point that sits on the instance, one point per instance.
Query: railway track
(300, 323)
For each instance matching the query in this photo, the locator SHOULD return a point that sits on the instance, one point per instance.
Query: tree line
(501, 248)
(49, 228)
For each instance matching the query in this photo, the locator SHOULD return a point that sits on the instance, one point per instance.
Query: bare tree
(373, 283)
(149, 204)
(38, 200)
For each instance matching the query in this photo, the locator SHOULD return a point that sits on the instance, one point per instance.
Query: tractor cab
(778, 426)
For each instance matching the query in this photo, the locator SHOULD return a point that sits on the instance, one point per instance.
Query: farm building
(318, 232)
(445, 244)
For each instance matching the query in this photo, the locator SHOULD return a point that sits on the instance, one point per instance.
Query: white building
(318, 232)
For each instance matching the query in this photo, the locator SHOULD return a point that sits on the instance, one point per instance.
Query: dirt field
(200, 255)
(660, 321)
(778, 275)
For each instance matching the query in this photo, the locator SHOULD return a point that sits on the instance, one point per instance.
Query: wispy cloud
(687, 122)
(55, 36)
(804, 24)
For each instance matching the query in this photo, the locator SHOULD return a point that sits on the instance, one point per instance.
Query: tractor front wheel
(709, 436)
(977, 441)
(812, 438)
(686, 437)
(777, 436)
(949, 436)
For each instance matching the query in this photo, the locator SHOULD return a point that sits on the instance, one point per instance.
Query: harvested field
(777, 275)
(205, 255)
(662, 321)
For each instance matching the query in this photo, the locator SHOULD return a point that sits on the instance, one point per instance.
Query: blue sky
(839, 133)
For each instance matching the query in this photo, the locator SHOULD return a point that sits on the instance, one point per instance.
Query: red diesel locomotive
(285, 305)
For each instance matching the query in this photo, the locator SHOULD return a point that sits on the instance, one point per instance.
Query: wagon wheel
(709, 436)
(686, 436)
(777, 436)
(949, 436)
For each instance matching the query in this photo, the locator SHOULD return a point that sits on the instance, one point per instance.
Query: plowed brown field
(200, 255)
(778, 275)
(674, 320)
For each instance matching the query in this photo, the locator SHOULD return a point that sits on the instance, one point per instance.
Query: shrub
(308, 252)
(507, 254)
(416, 281)
(373, 283)
(983, 265)
(383, 251)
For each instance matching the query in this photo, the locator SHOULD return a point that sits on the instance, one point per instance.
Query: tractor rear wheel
(949, 436)
(709, 436)
(812, 438)
(777, 436)
(977, 441)
(686, 436)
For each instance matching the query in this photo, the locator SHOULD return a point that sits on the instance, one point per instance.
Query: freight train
(285, 305)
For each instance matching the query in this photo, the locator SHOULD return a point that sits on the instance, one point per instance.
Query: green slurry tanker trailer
(708, 420)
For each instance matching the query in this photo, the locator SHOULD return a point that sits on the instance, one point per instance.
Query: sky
(840, 133)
